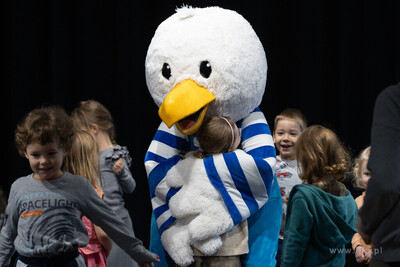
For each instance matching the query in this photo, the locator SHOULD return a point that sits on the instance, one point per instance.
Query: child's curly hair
(364, 155)
(44, 125)
(319, 153)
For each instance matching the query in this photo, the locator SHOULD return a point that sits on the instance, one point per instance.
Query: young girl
(287, 128)
(321, 214)
(83, 160)
(202, 220)
(94, 118)
(44, 208)
(363, 251)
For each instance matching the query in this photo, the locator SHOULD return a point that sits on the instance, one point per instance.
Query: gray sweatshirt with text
(43, 218)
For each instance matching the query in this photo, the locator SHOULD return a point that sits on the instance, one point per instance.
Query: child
(3, 203)
(363, 252)
(83, 160)
(198, 206)
(287, 128)
(93, 117)
(321, 213)
(44, 208)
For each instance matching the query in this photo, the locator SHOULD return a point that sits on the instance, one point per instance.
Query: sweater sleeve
(9, 230)
(384, 186)
(100, 214)
(297, 233)
(125, 179)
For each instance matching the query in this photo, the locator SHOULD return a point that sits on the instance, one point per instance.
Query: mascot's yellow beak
(185, 106)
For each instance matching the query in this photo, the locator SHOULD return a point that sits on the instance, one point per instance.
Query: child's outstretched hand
(151, 264)
(118, 166)
(363, 255)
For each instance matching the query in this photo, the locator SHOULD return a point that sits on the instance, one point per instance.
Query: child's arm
(124, 175)
(297, 233)
(101, 214)
(117, 163)
(104, 239)
(9, 230)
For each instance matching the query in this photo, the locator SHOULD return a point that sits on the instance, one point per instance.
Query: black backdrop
(330, 59)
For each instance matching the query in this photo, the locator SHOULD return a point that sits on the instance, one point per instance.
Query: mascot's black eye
(166, 71)
(205, 69)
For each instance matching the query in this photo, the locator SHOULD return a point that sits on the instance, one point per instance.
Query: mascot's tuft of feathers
(224, 39)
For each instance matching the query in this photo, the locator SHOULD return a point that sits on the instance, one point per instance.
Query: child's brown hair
(92, 112)
(319, 153)
(292, 114)
(215, 135)
(44, 125)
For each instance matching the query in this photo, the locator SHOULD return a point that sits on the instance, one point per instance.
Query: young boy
(43, 215)
(287, 128)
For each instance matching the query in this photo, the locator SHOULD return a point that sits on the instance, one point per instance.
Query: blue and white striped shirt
(243, 177)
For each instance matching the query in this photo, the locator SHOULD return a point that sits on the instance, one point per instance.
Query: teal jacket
(318, 225)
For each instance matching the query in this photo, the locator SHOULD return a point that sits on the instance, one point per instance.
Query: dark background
(329, 59)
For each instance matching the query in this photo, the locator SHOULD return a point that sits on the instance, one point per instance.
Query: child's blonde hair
(292, 114)
(215, 135)
(83, 159)
(92, 112)
(319, 152)
(364, 155)
(44, 125)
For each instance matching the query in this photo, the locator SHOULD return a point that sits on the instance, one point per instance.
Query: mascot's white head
(205, 61)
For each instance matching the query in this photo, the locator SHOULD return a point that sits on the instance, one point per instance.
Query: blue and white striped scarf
(243, 177)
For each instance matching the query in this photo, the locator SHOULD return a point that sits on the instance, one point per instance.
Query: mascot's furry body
(200, 212)
(205, 62)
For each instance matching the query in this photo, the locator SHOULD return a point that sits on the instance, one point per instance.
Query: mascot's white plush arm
(247, 173)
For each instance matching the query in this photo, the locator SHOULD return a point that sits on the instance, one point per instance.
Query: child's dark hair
(44, 125)
(215, 135)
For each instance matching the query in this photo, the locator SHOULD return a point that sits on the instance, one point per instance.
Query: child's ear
(94, 128)
(26, 155)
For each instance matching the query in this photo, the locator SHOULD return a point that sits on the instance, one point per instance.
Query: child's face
(45, 160)
(285, 137)
(365, 173)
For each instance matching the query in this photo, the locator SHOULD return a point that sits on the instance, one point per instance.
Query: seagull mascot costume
(210, 62)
